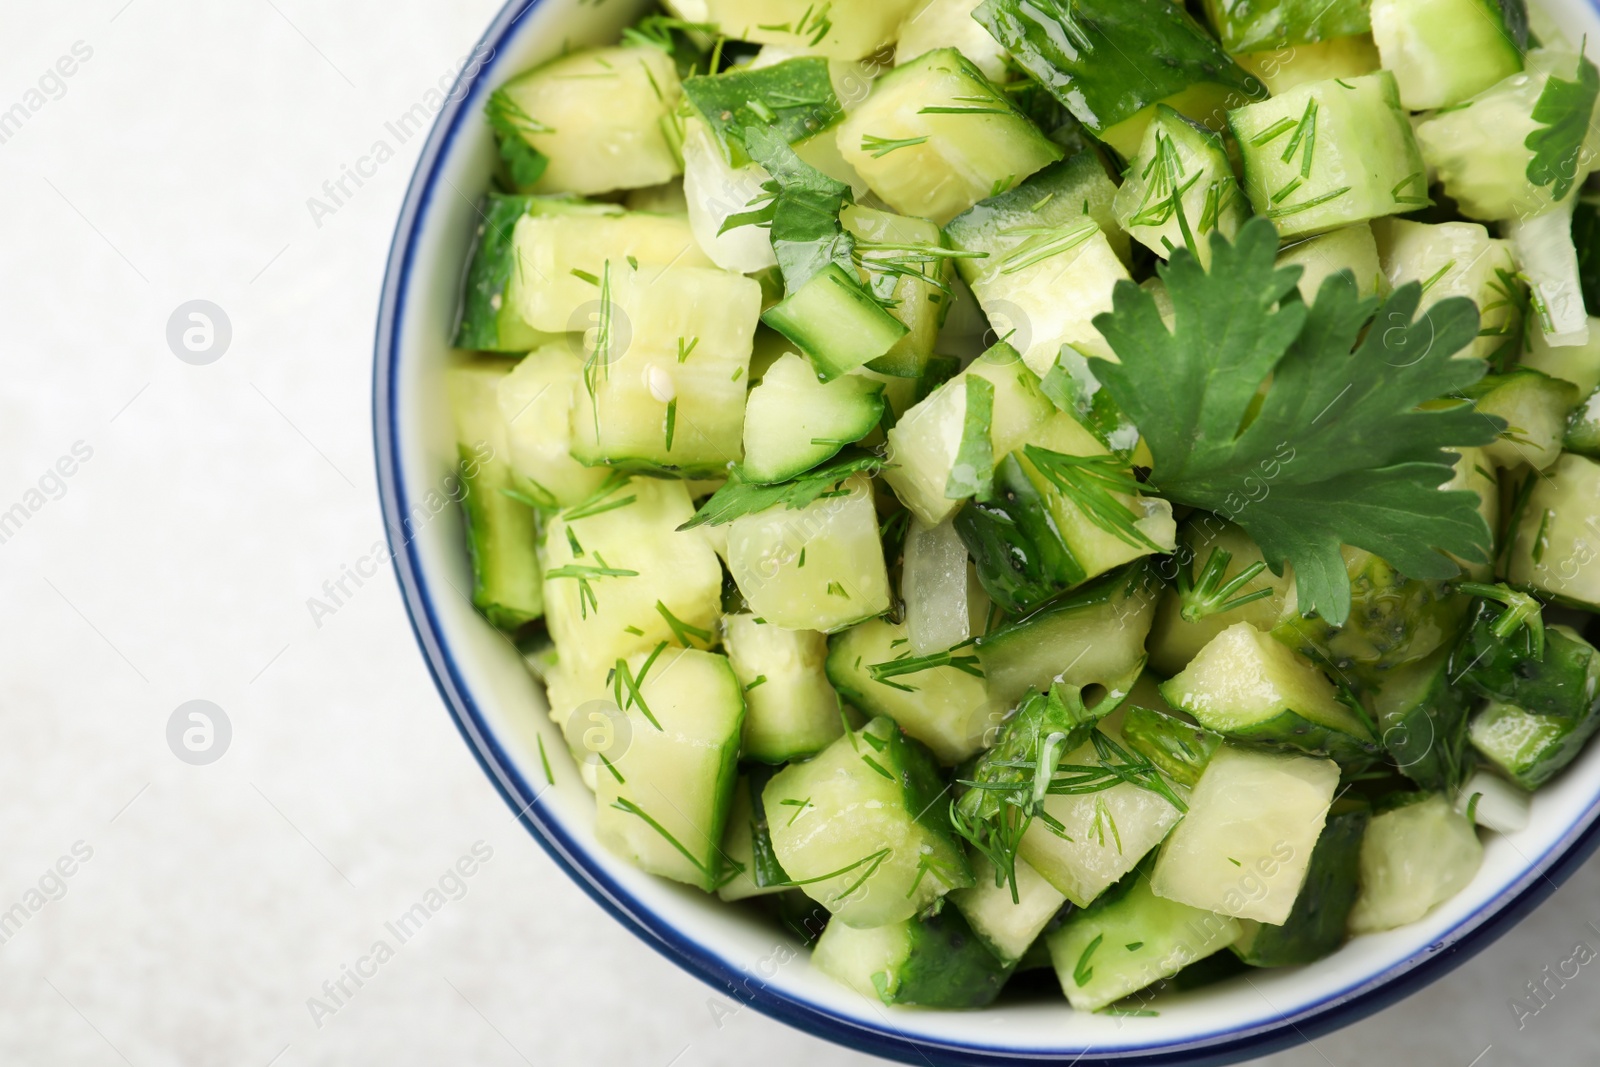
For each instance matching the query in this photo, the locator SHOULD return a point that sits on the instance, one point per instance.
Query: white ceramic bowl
(501, 711)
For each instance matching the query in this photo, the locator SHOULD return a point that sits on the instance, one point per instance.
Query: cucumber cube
(1282, 69)
(534, 401)
(1583, 431)
(936, 136)
(1421, 712)
(490, 321)
(791, 711)
(934, 962)
(750, 869)
(1131, 940)
(1316, 926)
(664, 800)
(501, 532)
(1174, 640)
(1529, 748)
(1412, 859)
(819, 567)
(1245, 846)
(1455, 259)
(664, 386)
(860, 828)
(836, 322)
(841, 29)
(599, 116)
(635, 569)
(1535, 408)
(1351, 248)
(1009, 927)
(1444, 51)
(926, 443)
(949, 24)
(1544, 249)
(944, 707)
(1179, 747)
(1330, 154)
(916, 284)
(1180, 189)
(1558, 540)
(793, 421)
(558, 256)
(1252, 26)
(1247, 685)
(1578, 364)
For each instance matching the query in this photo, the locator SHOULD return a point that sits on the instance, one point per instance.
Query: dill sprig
(1211, 592)
(585, 573)
(885, 673)
(1093, 484)
(882, 146)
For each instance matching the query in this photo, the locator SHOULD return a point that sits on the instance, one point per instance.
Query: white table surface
(177, 564)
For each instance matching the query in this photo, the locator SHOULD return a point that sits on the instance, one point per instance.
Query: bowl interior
(502, 711)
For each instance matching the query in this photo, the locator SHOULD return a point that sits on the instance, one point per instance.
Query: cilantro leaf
(737, 499)
(1563, 112)
(512, 125)
(1337, 450)
(803, 213)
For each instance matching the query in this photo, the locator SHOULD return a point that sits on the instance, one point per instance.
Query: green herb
(686, 350)
(544, 758)
(1135, 946)
(1093, 484)
(1521, 611)
(1083, 972)
(513, 125)
(626, 805)
(1336, 451)
(736, 498)
(761, 679)
(972, 473)
(885, 673)
(1210, 594)
(597, 504)
(882, 146)
(672, 421)
(1044, 242)
(801, 206)
(1307, 205)
(835, 589)
(1563, 113)
(800, 806)
(795, 99)
(682, 630)
(584, 573)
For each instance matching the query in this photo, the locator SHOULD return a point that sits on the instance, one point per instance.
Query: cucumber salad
(1095, 495)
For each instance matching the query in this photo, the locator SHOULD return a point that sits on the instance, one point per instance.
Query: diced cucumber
(1480, 148)
(949, 24)
(794, 422)
(819, 567)
(1329, 154)
(1111, 61)
(1031, 540)
(1246, 685)
(1535, 408)
(1316, 924)
(1393, 619)
(502, 533)
(1351, 248)
(1180, 748)
(1422, 718)
(1542, 245)
(1413, 858)
(1246, 844)
(936, 583)
(936, 136)
(1444, 51)
(597, 116)
(1283, 69)
(1583, 430)
(750, 869)
(1246, 26)
(1094, 839)
(794, 97)
(791, 711)
(535, 399)
(1493, 803)
(1094, 636)
(561, 258)
(1578, 364)
(490, 320)
(915, 284)
(1180, 189)
(934, 962)
(664, 387)
(620, 578)
(943, 706)
(860, 829)
(715, 191)
(1558, 539)
(842, 29)
(1455, 259)
(1131, 940)
(1530, 748)
(1009, 927)
(1509, 655)
(1476, 474)
(836, 322)
(664, 799)
(926, 442)
(1053, 251)
(1174, 640)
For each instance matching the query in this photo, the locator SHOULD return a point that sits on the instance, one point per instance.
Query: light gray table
(207, 505)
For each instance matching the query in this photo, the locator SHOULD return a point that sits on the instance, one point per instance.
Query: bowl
(501, 711)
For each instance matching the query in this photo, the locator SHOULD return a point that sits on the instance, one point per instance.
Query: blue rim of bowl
(1467, 938)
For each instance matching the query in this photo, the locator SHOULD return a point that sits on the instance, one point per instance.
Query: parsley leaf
(737, 499)
(512, 124)
(1339, 451)
(1563, 112)
(803, 211)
